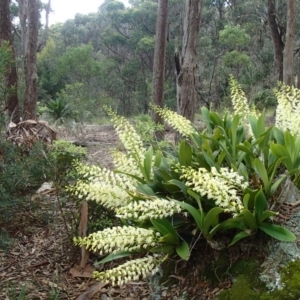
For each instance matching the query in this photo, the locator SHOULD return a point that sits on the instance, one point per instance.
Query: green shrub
(146, 128)
(58, 110)
(62, 156)
(22, 172)
(264, 98)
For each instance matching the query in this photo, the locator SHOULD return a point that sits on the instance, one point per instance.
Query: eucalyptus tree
(158, 76)
(282, 19)
(186, 64)
(10, 74)
(288, 53)
(277, 34)
(31, 78)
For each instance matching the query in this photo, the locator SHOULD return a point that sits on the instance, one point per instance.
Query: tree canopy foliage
(110, 53)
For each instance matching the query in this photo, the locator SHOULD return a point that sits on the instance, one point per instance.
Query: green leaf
(277, 183)
(215, 118)
(196, 214)
(185, 154)
(279, 151)
(251, 200)
(243, 171)
(267, 214)
(277, 232)
(196, 197)
(183, 250)
(211, 219)
(289, 141)
(208, 159)
(273, 167)
(158, 156)
(235, 123)
(239, 236)
(260, 205)
(165, 227)
(148, 163)
(169, 239)
(237, 222)
(166, 176)
(143, 189)
(253, 124)
(278, 135)
(246, 199)
(166, 248)
(114, 256)
(170, 187)
(179, 184)
(249, 220)
(261, 124)
(221, 157)
(206, 117)
(246, 150)
(261, 171)
(139, 179)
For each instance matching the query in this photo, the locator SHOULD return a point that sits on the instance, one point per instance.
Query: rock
(281, 253)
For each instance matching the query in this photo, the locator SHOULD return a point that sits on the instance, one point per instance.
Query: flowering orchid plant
(219, 181)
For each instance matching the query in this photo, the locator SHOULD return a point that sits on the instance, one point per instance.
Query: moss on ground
(248, 287)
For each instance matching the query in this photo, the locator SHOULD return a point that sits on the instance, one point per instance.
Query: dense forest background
(106, 57)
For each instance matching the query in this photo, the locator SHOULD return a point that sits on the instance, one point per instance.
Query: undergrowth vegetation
(219, 184)
(23, 171)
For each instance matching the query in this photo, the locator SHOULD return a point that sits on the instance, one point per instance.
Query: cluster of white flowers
(128, 135)
(240, 104)
(223, 187)
(103, 186)
(152, 208)
(126, 163)
(238, 99)
(176, 121)
(288, 109)
(254, 112)
(132, 270)
(126, 238)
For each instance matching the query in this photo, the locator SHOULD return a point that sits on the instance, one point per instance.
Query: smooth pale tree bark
(277, 38)
(31, 78)
(159, 62)
(288, 53)
(11, 77)
(186, 64)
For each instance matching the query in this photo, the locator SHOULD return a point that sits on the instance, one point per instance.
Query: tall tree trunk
(23, 10)
(159, 62)
(31, 77)
(11, 77)
(44, 38)
(277, 36)
(298, 71)
(288, 53)
(186, 66)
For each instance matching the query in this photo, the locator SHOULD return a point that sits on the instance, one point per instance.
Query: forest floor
(41, 253)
